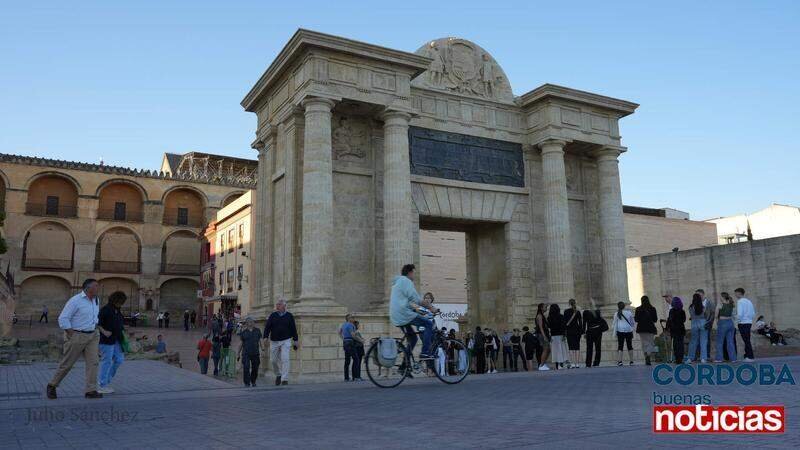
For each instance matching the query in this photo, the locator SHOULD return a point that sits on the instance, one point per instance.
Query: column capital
(552, 145)
(608, 152)
(317, 104)
(394, 117)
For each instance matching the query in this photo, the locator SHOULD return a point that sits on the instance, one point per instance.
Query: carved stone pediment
(463, 67)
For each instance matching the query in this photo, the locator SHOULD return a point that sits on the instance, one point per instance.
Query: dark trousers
(357, 363)
(216, 364)
(508, 355)
(480, 362)
(350, 356)
(43, 317)
(160, 323)
(744, 330)
(166, 323)
(203, 365)
(677, 348)
(250, 365)
(185, 324)
(518, 354)
(593, 341)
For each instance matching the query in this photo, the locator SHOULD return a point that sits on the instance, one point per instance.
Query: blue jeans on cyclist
(427, 334)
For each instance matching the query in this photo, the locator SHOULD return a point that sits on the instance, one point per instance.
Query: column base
(317, 305)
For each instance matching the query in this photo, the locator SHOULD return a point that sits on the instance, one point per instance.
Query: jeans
(112, 357)
(427, 335)
(744, 330)
(216, 358)
(250, 365)
(350, 355)
(725, 339)
(699, 337)
(203, 365)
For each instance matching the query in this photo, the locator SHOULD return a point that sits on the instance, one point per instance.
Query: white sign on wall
(450, 313)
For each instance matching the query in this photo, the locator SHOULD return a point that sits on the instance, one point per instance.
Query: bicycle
(450, 362)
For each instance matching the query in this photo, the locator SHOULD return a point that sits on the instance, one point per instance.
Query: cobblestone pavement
(168, 407)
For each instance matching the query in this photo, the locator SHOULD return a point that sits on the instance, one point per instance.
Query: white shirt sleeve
(65, 318)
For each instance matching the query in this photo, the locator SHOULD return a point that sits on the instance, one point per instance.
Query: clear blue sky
(717, 132)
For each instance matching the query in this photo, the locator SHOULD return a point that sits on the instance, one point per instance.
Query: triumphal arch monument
(361, 146)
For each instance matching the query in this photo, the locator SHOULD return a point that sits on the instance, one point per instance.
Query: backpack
(387, 352)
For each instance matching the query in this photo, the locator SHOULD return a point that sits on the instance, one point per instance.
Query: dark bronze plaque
(465, 158)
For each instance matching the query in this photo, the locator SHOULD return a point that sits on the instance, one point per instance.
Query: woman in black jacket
(646, 318)
(558, 347)
(677, 329)
(574, 324)
(595, 327)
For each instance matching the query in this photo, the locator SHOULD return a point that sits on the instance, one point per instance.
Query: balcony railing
(115, 215)
(118, 266)
(173, 217)
(42, 209)
(180, 269)
(47, 264)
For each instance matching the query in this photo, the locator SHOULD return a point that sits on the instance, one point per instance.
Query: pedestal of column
(560, 278)
(316, 290)
(612, 226)
(397, 223)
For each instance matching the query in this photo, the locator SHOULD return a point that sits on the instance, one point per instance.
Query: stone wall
(768, 270)
(650, 235)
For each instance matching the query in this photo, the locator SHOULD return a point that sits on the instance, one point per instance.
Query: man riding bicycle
(406, 309)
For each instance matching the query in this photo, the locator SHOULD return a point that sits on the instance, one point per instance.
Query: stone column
(263, 240)
(560, 279)
(397, 224)
(317, 246)
(612, 228)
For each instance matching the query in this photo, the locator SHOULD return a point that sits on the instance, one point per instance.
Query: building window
(183, 216)
(230, 280)
(52, 206)
(221, 282)
(240, 275)
(222, 244)
(231, 243)
(119, 211)
(241, 235)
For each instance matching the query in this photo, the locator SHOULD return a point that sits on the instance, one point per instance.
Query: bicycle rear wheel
(451, 361)
(387, 377)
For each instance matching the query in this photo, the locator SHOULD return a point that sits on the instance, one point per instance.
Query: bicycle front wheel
(390, 373)
(451, 361)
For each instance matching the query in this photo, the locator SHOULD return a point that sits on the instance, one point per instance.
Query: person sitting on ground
(161, 346)
(761, 326)
(775, 338)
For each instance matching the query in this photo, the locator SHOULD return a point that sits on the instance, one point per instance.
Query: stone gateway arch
(361, 146)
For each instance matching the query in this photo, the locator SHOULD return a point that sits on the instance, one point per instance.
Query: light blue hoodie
(403, 294)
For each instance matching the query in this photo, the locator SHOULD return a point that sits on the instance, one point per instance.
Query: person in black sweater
(281, 331)
(594, 327)
(676, 325)
(574, 324)
(480, 351)
(558, 328)
(110, 323)
(646, 318)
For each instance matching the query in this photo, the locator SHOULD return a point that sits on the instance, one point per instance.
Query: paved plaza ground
(158, 406)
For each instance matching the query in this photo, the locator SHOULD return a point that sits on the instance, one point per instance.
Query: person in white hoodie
(623, 327)
(405, 310)
(744, 316)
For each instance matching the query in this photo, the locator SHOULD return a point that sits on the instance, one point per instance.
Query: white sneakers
(544, 367)
(749, 359)
(105, 390)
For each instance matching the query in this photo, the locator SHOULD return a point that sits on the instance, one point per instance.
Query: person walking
(480, 350)
(160, 318)
(346, 331)
(725, 329)
(249, 351)
(557, 330)
(359, 353)
(676, 325)
(574, 326)
(622, 325)
(79, 319)
(543, 334)
(203, 353)
(110, 324)
(595, 327)
(646, 318)
(228, 361)
(216, 352)
(744, 316)
(193, 318)
(186, 320)
(44, 314)
(281, 330)
(699, 338)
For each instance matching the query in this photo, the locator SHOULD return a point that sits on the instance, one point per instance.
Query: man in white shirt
(745, 313)
(79, 320)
